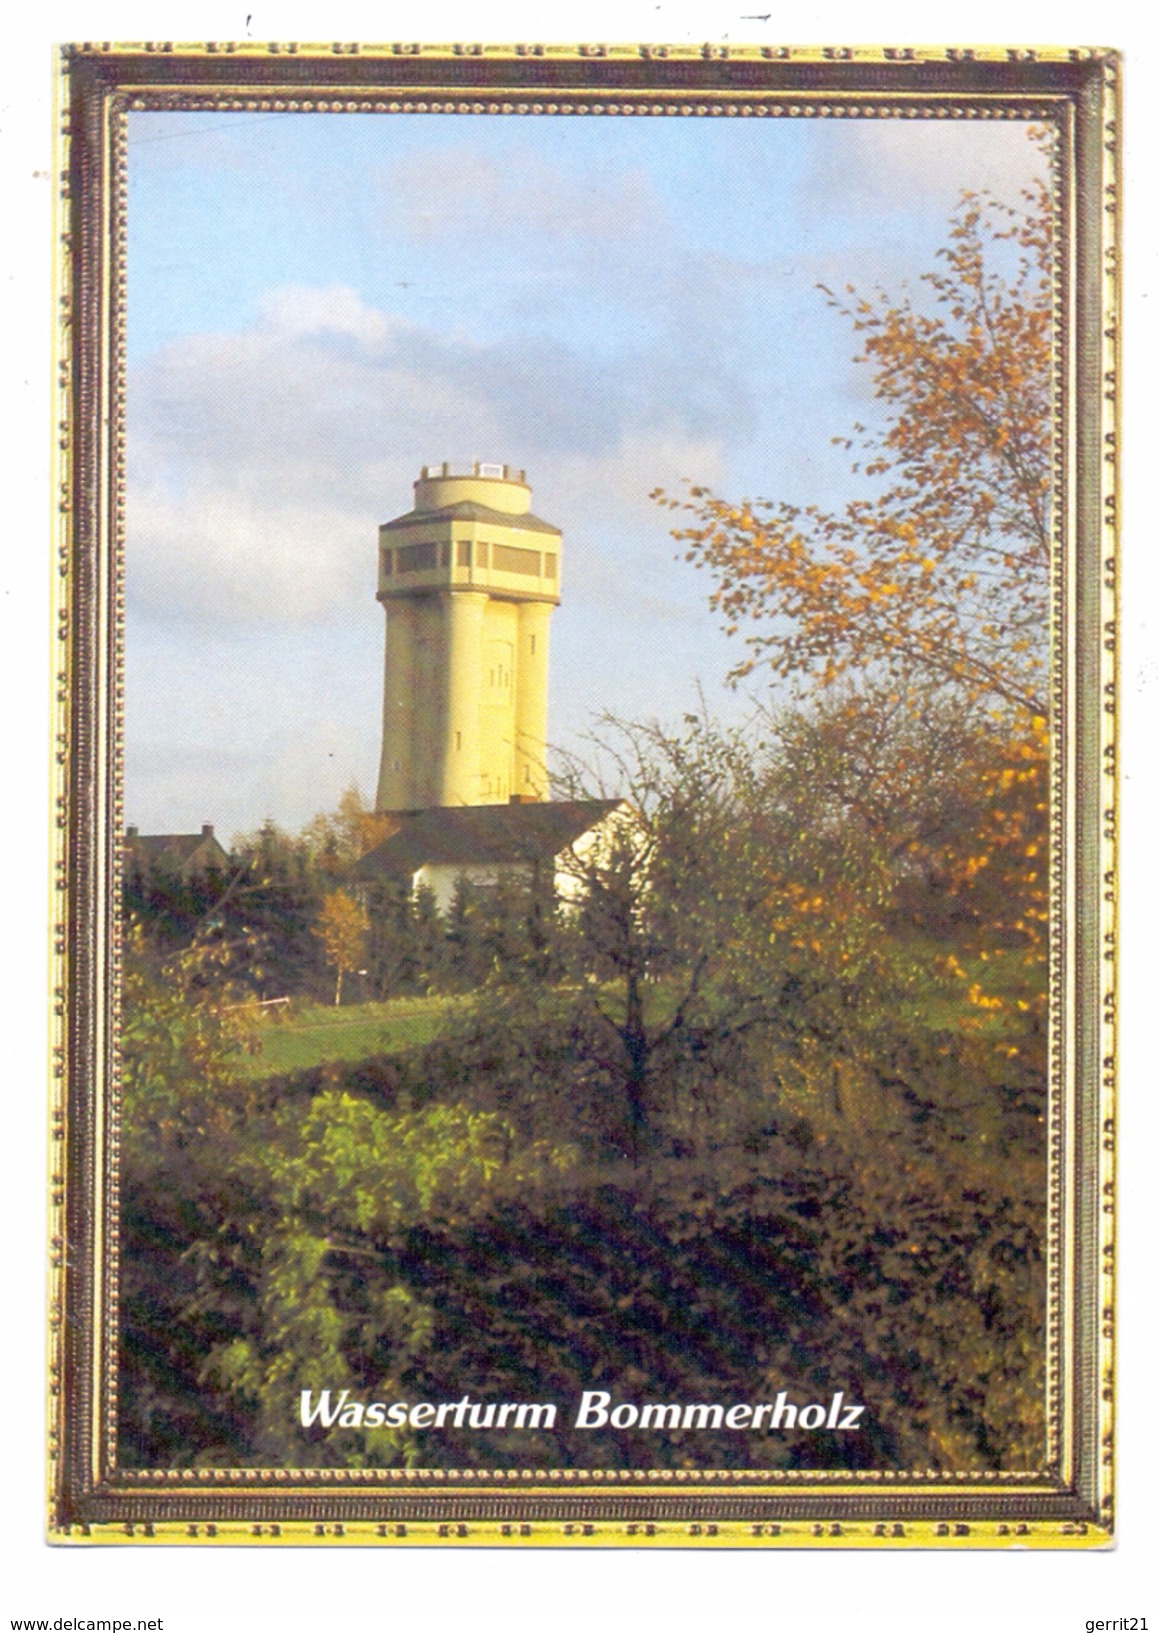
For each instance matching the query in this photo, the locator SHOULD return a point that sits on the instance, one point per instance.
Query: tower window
(532, 646)
(418, 558)
(512, 558)
(464, 552)
(481, 553)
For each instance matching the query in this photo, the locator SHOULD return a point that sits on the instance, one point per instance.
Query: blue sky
(320, 304)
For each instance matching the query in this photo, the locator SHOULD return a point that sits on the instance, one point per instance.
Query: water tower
(469, 579)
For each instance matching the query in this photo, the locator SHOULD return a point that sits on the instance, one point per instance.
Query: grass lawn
(309, 1034)
(313, 1033)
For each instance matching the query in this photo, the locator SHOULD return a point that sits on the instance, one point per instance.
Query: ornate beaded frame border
(1066, 1503)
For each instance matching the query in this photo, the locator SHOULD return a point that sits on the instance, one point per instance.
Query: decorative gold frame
(1069, 1503)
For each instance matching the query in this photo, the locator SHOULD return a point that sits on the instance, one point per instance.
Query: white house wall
(441, 878)
(594, 849)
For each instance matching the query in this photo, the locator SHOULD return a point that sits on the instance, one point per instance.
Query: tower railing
(495, 472)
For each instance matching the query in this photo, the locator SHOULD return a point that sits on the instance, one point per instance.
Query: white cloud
(294, 310)
(239, 555)
(260, 464)
(883, 165)
(618, 550)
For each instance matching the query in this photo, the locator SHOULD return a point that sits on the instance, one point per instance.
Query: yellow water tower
(469, 579)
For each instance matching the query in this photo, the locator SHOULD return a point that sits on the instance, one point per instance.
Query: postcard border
(1070, 1504)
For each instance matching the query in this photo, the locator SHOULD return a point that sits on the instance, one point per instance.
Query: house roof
(175, 853)
(482, 835)
(469, 510)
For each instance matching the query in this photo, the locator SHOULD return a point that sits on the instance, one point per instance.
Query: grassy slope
(310, 1034)
(314, 1033)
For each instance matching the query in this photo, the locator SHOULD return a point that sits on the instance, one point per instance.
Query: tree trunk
(634, 1037)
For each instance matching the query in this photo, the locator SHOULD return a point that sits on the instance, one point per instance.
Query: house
(481, 844)
(181, 856)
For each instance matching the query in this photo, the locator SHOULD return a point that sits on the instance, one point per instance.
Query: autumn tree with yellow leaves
(925, 598)
(941, 569)
(342, 927)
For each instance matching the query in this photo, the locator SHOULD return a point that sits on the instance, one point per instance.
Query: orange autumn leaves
(908, 852)
(1001, 878)
(941, 569)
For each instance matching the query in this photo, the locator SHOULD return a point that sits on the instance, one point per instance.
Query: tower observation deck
(469, 579)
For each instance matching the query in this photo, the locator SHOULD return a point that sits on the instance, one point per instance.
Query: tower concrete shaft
(469, 579)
